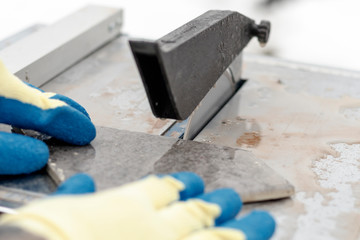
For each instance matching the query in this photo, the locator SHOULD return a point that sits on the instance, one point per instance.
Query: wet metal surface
(303, 121)
(116, 157)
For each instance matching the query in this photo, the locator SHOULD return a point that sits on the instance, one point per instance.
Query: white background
(323, 32)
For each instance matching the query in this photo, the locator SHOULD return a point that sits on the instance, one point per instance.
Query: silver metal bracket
(47, 52)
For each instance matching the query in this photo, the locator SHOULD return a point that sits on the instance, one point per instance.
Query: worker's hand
(147, 209)
(26, 107)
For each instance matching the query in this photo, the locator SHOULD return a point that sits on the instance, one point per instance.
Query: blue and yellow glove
(172, 207)
(27, 107)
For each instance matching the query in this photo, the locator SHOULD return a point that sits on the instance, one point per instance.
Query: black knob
(262, 31)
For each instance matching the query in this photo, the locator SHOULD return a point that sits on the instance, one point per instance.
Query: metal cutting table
(301, 120)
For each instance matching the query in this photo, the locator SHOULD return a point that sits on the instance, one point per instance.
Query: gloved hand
(147, 209)
(26, 107)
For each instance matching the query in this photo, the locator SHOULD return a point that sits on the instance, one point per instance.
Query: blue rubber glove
(27, 107)
(172, 207)
(77, 184)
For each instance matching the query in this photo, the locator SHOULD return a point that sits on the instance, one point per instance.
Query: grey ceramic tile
(117, 156)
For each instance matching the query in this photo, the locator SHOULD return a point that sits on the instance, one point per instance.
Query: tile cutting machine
(213, 110)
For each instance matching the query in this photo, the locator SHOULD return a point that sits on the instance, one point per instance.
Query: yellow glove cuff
(13, 88)
(117, 212)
